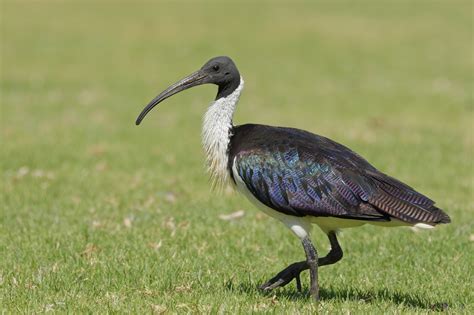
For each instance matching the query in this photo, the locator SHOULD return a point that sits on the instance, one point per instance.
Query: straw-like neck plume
(216, 133)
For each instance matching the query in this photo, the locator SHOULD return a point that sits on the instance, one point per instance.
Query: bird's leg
(293, 271)
(335, 254)
(312, 261)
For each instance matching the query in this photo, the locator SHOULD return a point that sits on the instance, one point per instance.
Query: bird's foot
(286, 276)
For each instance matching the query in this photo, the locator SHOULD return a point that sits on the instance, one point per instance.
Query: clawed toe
(271, 284)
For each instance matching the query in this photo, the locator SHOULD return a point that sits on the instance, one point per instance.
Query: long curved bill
(196, 78)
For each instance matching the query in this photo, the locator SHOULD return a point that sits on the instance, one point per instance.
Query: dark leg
(312, 261)
(293, 271)
(335, 254)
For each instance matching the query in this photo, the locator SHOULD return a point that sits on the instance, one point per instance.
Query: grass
(98, 215)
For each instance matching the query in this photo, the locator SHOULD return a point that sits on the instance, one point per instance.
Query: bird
(298, 177)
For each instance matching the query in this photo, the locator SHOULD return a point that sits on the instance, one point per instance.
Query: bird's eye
(215, 67)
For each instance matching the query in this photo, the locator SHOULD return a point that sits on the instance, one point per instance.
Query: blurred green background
(98, 215)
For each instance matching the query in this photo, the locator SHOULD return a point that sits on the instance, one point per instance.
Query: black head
(222, 72)
(219, 70)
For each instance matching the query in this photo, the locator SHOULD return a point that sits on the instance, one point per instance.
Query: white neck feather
(216, 132)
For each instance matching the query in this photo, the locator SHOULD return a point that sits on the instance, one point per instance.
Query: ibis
(297, 177)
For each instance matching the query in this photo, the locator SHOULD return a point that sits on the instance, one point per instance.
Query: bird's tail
(409, 212)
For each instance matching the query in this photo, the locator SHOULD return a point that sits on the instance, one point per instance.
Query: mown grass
(98, 215)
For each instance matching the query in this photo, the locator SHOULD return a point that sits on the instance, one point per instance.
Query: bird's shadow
(344, 294)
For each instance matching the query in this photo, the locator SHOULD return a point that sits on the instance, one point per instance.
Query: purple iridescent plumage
(302, 174)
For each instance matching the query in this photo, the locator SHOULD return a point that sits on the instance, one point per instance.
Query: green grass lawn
(98, 215)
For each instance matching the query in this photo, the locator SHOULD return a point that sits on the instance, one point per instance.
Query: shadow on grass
(368, 296)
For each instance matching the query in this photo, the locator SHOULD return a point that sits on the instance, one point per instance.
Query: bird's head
(220, 71)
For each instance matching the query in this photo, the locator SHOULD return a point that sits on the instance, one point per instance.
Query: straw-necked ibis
(296, 176)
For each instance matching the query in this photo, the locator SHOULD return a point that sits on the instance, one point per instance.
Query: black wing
(300, 173)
